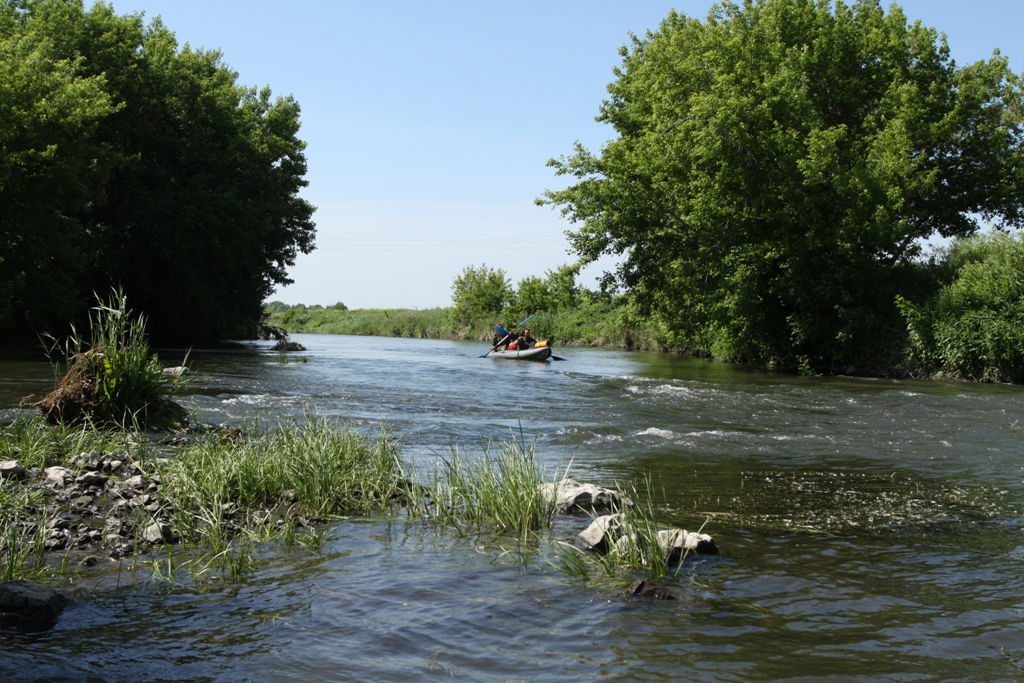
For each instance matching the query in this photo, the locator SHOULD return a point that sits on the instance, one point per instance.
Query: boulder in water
(29, 603)
(570, 496)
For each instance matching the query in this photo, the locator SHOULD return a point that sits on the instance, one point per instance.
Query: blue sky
(429, 124)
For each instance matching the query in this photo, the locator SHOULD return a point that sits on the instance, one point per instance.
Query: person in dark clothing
(526, 340)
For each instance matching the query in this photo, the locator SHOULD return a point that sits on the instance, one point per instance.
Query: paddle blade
(501, 330)
(557, 358)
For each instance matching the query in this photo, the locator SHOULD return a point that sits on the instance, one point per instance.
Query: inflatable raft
(536, 353)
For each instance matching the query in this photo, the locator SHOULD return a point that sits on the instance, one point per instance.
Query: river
(870, 530)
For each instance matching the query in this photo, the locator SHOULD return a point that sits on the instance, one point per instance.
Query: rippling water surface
(870, 530)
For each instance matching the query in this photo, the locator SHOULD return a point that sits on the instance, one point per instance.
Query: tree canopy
(776, 167)
(129, 161)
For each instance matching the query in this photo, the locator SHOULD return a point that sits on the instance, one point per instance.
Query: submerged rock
(570, 496)
(650, 589)
(22, 601)
(677, 542)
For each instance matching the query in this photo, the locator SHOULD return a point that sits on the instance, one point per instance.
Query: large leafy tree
(776, 166)
(193, 207)
(50, 169)
(480, 292)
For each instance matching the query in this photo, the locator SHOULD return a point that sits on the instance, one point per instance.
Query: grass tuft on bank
(113, 379)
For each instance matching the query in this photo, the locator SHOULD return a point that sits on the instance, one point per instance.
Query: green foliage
(557, 291)
(480, 293)
(50, 169)
(275, 307)
(775, 167)
(431, 323)
(974, 327)
(135, 162)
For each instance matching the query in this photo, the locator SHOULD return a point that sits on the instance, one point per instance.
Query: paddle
(500, 330)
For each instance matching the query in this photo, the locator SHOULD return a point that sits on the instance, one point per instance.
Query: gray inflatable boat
(537, 353)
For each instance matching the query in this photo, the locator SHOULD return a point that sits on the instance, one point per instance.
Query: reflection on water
(870, 530)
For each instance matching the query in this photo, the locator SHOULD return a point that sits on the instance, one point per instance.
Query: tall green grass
(318, 469)
(33, 443)
(496, 491)
(23, 516)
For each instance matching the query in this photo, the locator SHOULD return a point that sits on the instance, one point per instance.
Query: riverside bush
(974, 326)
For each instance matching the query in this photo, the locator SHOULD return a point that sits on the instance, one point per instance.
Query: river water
(870, 530)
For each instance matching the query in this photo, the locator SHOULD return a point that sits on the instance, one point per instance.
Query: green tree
(50, 169)
(561, 286)
(480, 292)
(775, 167)
(531, 296)
(194, 209)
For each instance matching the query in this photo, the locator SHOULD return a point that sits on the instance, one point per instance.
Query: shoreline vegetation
(969, 326)
(175, 500)
(598, 323)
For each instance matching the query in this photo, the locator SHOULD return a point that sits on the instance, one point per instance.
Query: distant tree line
(127, 161)
(487, 293)
(775, 171)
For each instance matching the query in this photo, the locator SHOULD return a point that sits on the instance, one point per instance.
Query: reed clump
(113, 379)
(499, 490)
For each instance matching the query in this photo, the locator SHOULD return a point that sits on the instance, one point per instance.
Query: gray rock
(92, 479)
(570, 496)
(57, 477)
(11, 469)
(613, 531)
(602, 533)
(136, 482)
(675, 543)
(158, 532)
(29, 602)
(176, 371)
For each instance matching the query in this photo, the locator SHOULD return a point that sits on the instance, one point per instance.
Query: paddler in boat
(502, 342)
(526, 340)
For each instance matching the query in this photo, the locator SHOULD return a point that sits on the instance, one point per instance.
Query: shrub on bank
(974, 326)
